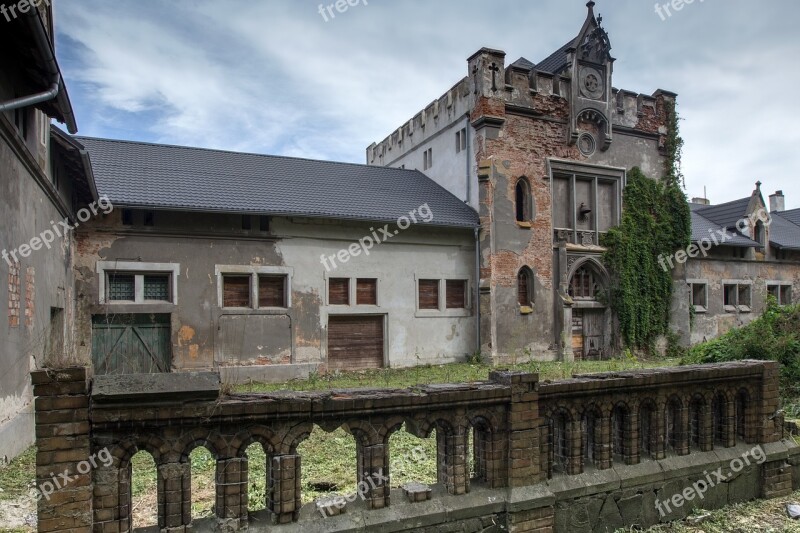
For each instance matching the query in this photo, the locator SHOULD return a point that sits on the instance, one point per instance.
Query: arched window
(525, 287)
(583, 285)
(760, 233)
(523, 200)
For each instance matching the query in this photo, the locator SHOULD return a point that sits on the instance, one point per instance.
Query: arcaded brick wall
(511, 418)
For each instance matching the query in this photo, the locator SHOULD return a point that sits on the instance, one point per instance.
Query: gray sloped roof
(137, 174)
(793, 216)
(555, 62)
(523, 64)
(703, 228)
(727, 214)
(783, 231)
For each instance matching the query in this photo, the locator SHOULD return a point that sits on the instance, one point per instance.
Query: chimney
(702, 201)
(777, 202)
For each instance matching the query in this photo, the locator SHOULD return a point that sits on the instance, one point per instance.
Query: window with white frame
(137, 283)
(255, 288)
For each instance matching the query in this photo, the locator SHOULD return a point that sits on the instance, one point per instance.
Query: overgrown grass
(399, 378)
(19, 476)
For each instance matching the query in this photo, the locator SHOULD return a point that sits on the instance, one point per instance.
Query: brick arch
(210, 440)
(293, 437)
(256, 434)
(363, 431)
(389, 427)
(650, 436)
(124, 451)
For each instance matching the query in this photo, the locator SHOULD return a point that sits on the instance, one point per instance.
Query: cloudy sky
(273, 76)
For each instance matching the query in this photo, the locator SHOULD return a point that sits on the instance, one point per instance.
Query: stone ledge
(155, 388)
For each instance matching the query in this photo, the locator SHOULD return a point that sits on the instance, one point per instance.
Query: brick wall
(14, 283)
(511, 418)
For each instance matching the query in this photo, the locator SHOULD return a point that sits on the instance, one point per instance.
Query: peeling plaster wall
(716, 320)
(29, 289)
(203, 334)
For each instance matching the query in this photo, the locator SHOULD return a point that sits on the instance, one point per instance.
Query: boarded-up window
(456, 294)
(367, 292)
(429, 294)
(272, 291)
(339, 291)
(236, 291)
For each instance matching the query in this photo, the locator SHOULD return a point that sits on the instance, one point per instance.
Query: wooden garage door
(355, 342)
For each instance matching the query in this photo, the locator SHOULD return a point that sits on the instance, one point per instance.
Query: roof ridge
(234, 152)
(707, 207)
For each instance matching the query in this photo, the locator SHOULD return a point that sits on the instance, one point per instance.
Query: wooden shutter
(523, 291)
(367, 292)
(456, 294)
(355, 342)
(236, 291)
(429, 294)
(272, 291)
(339, 291)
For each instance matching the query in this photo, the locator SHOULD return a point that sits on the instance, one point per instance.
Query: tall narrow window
(523, 200)
(525, 287)
(246, 223)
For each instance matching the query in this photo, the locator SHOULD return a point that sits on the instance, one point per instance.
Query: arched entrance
(590, 320)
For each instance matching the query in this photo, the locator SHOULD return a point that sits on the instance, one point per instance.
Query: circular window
(587, 144)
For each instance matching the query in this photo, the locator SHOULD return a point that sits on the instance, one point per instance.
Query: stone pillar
(776, 479)
(770, 424)
(174, 497)
(284, 489)
(373, 475)
(523, 429)
(603, 445)
(658, 441)
(575, 459)
(729, 424)
(706, 428)
(631, 447)
(231, 500)
(683, 431)
(63, 467)
(452, 456)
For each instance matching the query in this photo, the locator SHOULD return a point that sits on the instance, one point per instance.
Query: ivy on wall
(655, 221)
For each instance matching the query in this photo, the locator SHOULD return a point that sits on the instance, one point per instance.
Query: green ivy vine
(655, 221)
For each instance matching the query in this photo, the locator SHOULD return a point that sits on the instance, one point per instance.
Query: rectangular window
(235, 291)
(339, 291)
(127, 217)
(782, 293)
(367, 292)
(737, 297)
(700, 296)
(456, 294)
(427, 159)
(156, 287)
(121, 287)
(44, 128)
(263, 223)
(272, 291)
(21, 121)
(149, 218)
(246, 222)
(461, 140)
(744, 300)
(429, 294)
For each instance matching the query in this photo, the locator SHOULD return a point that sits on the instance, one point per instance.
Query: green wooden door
(131, 344)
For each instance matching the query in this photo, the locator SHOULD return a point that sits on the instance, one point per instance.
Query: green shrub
(774, 336)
